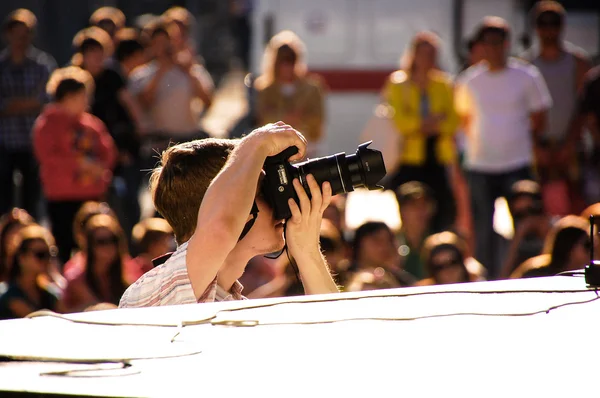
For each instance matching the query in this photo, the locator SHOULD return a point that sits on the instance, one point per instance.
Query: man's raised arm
(228, 201)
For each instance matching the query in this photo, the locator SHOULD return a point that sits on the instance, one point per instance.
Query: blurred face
(93, 60)
(108, 26)
(105, 246)
(425, 55)
(36, 258)
(524, 207)
(494, 48)
(376, 249)
(19, 37)
(161, 45)
(580, 254)
(286, 62)
(177, 36)
(266, 235)
(416, 213)
(477, 53)
(77, 103)
(164, 245)
(549, 28)
(447, 267)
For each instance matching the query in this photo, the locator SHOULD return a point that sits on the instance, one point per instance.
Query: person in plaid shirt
(24, 72)
(207, 191)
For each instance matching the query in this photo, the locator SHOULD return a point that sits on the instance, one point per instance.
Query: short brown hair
(179, 183)
(112, 14)
(548, 7)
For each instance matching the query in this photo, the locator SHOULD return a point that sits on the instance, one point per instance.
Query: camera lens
(344, 173)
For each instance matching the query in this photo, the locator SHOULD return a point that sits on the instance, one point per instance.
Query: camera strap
(250, 223)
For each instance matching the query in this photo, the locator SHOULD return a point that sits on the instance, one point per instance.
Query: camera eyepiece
(365, 168)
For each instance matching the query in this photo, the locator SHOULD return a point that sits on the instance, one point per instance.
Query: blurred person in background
(152, 238)
(109, 19)
(24, 73)
(181, 34)
(595, 211)
(104, 278)
(116, 107)
(531, 222)
(335, 251)
(588, 115)
(423, 102)
(75, 152)
(563, 67)
(475, 53)
(503, 105)
(83, 215)
(375, 247)
(129, 52)
(286, 92)
(417, 207)
(444, 256)
(167, 88)
(27, 290)
(240, 12)
(10, 225)
(374, 279)
(567, 248)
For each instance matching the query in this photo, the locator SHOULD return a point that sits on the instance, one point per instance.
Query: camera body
(344, 173)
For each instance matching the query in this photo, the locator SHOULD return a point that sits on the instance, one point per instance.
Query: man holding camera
(208, 190)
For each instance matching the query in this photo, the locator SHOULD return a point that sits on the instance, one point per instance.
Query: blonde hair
(288, 39)
(407, 61)
(70, 72)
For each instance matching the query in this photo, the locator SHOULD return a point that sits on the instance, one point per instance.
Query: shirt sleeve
(538, 96)
(202, 75)
(139, 80)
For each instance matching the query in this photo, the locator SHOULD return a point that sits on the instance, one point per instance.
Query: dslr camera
(365, 168)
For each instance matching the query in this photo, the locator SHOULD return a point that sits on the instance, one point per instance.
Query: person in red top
(75, 152)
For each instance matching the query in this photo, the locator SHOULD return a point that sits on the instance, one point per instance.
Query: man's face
(161, 45)
(494, 47)
(549, 28)
(19, 37)
(417, 212)
(266, 235)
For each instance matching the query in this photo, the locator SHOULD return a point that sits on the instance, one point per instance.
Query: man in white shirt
(503, 103)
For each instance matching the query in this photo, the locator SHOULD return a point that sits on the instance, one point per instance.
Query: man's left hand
(303, 229)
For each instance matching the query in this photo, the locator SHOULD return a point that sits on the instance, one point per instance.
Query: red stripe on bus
(353, 80)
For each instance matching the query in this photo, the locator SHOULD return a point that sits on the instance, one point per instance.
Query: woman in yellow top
(287, 93)
(421, 98)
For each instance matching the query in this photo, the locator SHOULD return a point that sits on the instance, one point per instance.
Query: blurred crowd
(84, 136)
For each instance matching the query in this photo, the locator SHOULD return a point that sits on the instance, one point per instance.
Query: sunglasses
(113, 240)
(438, 267)
(41, 255)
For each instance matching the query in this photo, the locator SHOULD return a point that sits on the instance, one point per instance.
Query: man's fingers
(327, 194)
(302, 196)
(315, 192)
(296, 215)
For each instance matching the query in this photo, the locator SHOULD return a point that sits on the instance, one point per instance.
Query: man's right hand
(274, 138)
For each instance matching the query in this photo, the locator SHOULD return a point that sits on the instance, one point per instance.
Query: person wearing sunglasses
(566, 248)
(444, 256)
(103, 279)
(563, 67)
(28, 288)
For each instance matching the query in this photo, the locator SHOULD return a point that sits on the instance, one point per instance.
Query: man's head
(179, 183)
(110, 19)
(182, 21)
(494, 35)
(525, 200)
(71, 88)
(160, 40)
(549, 19)
(130, 53)
(18, 29)
(417, 205)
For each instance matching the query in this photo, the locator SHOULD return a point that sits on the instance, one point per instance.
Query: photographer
(207, 190)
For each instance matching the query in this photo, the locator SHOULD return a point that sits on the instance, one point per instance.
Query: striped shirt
(169, 284)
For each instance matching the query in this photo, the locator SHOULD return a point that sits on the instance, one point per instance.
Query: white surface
(468, 356)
